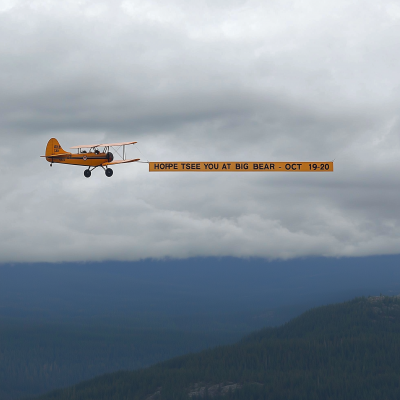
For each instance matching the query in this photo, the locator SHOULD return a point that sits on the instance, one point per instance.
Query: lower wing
(120, 161)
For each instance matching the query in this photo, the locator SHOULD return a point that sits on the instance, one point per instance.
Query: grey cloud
(207, 81)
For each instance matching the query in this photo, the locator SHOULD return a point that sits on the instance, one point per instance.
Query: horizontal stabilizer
(57, 155)
(120, 161)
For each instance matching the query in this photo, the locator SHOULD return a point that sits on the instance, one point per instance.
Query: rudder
(53, 147)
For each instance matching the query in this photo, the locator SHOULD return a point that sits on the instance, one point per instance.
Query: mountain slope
(349, 350)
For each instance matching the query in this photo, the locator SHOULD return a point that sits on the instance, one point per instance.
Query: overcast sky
(212, 80)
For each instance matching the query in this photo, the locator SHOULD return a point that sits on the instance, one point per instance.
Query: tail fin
(53, 148)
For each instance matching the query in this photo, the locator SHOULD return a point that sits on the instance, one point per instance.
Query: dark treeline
(343, 351)
(37, 357)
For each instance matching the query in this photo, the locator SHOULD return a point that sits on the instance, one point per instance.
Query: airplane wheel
(87, 173)
(109, 172)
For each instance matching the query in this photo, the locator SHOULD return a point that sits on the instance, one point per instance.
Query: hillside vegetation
(38, 357)
(343, 351)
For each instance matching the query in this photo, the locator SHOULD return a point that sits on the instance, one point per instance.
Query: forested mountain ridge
(343, 351)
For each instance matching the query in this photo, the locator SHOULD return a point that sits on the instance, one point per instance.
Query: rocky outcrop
(219, 389)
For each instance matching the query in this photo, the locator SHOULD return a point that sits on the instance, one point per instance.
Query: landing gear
(88, 172)
(109, 172)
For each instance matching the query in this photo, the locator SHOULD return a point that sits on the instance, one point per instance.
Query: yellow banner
(240, 166)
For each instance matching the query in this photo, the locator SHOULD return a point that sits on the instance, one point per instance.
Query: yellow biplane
(88, 155)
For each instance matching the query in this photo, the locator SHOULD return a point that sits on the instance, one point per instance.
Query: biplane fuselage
(55, 154)
(87, 155)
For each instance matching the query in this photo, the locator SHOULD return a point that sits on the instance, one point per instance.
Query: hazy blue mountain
(186, 287)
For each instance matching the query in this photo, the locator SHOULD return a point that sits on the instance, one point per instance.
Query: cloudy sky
(204, 81)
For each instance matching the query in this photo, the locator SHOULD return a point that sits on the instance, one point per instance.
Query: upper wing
(86, 146)
(120, 161)
(116, 144)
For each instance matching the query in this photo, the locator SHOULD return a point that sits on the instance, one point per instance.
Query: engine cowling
(110, 156)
